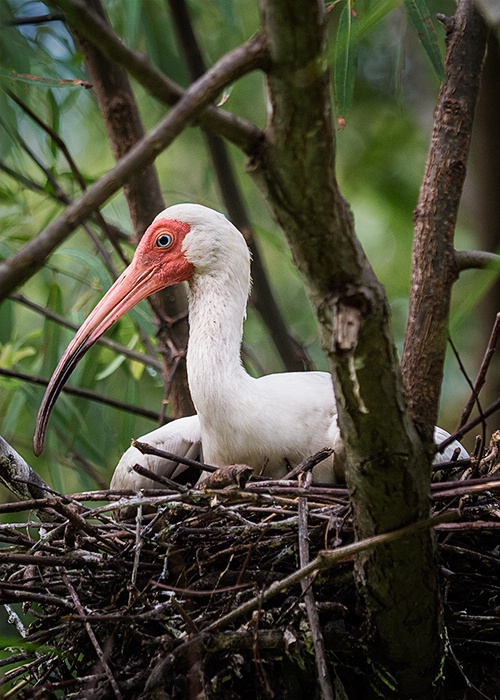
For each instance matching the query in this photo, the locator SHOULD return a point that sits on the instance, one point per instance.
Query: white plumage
(271, 423)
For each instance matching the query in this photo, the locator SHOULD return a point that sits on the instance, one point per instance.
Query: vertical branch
(388, 472)
(294, 357)
(144, 199)
(434, 268)
(310, 603)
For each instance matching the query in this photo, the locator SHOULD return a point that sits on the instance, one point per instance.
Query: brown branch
(308, 464)
(22, 265)
(453, 489)
(481, 375)
(458, 434)
(476, 260)
(243, 134)
(311, 609)
(147, 449)
(294, 356)
(434, 267)
(159, 478)
(144, 199)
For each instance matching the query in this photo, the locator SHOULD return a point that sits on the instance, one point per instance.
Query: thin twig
(474, 394)
(308, 464)
(487, 412)
(83, 393)
(312, 611)
(103, 340)
(91, 634)
(147, 449)
(481, 375)
(159, 478)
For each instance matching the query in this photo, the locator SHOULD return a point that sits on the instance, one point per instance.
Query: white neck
(217, 307)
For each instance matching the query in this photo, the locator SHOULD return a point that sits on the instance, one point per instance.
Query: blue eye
(164, 241)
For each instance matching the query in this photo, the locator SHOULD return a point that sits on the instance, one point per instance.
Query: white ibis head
(181, 240)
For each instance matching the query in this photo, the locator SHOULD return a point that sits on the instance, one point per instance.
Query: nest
(225, 592)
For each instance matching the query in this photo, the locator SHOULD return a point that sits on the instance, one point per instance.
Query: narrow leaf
(422, 22)
(48, 82)
(346, 59)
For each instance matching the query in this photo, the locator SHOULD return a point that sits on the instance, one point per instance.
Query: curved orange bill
(133, 285)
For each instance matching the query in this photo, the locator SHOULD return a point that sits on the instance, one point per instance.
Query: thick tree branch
(388, 472)
(238, 131)
(22, 265)
(434, 268)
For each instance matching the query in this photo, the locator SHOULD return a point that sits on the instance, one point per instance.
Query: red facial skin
(152, 268)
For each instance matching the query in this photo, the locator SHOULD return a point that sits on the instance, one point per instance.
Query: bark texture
(388, 472)
(434, 267)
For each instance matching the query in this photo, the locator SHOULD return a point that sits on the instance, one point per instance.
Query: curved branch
(19, 267)
(89, 24)
(476, 259)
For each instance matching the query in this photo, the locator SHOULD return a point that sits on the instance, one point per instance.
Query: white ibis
(270, 423)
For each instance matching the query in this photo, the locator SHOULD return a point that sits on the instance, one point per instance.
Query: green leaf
(422, 22)
(375, 14)
(346, 59)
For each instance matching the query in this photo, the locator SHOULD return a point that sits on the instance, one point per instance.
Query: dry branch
(211, 572)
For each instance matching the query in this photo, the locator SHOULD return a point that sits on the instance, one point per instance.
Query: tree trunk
(388, 472)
